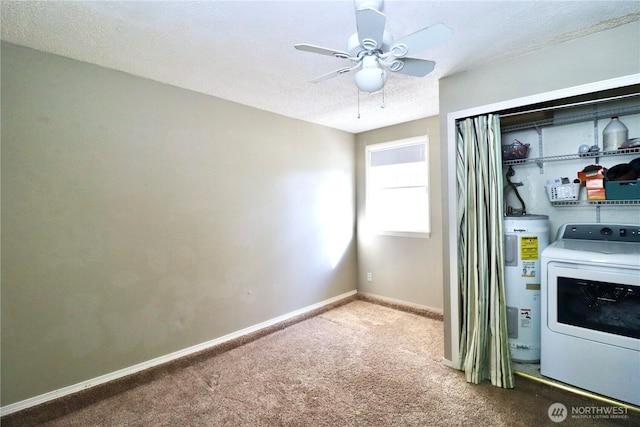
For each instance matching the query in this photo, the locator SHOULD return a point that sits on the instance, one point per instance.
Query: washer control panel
(604, 232)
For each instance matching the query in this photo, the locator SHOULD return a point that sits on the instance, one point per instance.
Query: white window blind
(398, 187)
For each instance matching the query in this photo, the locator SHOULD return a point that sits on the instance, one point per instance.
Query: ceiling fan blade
(334, 73)
(322, 50)
(420, 40)
(370, 25)
(412, 66)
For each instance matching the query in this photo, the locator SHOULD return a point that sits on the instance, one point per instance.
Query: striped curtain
(484, 347)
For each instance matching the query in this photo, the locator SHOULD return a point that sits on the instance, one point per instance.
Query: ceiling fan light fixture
(371, 78)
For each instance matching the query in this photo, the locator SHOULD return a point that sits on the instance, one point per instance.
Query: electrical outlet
(369, 277)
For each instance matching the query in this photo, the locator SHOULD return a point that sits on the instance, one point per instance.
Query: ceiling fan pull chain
(358, 103)
(382, 105)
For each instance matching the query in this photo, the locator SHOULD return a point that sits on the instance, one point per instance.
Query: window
(397, 185)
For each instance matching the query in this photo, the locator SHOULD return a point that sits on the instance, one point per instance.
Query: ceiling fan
(374, 49)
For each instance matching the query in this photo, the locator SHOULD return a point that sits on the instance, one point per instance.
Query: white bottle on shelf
(614, 135)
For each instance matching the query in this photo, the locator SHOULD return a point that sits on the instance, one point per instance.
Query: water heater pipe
(514, 186)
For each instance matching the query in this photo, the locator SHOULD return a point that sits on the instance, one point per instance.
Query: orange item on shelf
(596, 194)
(594, 183)
(593, 178)
(592, 172)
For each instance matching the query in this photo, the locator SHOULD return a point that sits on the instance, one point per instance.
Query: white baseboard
(55, 394)
(401, 302)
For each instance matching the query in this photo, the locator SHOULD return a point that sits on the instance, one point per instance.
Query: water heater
(524, 239)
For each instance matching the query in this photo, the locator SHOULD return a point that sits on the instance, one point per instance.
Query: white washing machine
(590, 335)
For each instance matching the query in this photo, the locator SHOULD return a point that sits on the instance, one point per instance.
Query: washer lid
(590, 251)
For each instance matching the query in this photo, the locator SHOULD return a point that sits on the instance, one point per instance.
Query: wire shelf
(596, 203)
(539, 160)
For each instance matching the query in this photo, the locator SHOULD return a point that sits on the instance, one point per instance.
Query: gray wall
(601, 56)
(403, 268)
(139, 219)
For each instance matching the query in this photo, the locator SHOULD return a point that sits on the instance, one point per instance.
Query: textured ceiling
(243, 50)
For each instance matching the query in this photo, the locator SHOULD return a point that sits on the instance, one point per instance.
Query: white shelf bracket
(539, 162)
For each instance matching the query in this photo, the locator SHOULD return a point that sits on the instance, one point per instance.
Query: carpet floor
(360, 364)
